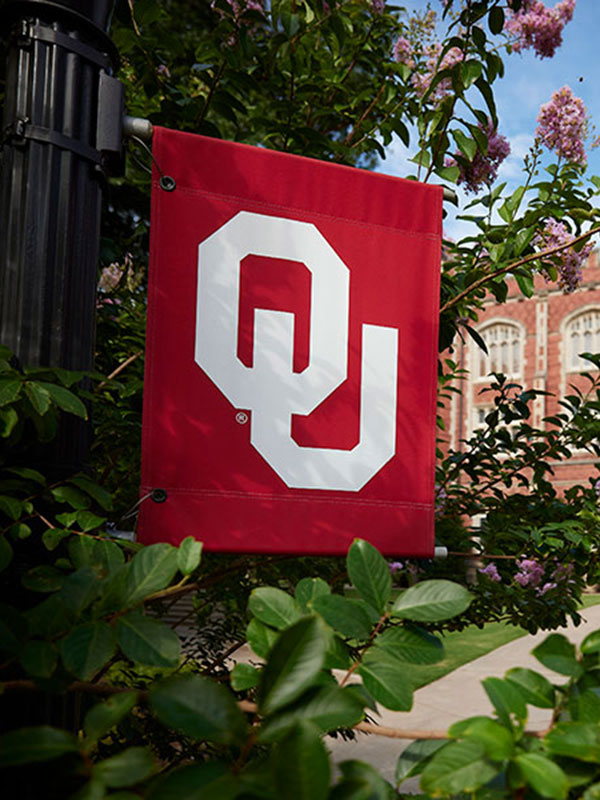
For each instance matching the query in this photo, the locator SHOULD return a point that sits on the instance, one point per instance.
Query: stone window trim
(505, 338)
(580, 333)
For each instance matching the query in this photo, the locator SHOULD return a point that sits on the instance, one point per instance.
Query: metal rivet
(159, 495)
(167, 183)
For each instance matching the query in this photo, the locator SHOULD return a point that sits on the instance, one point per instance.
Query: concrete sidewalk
(457, 696)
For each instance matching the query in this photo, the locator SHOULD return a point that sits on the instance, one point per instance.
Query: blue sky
(528, 83)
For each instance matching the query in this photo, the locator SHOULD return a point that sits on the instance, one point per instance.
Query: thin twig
(119, 369)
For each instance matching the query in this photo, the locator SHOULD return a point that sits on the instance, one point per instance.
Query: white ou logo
(270, 388)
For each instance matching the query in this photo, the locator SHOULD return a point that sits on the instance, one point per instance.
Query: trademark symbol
(241, 417)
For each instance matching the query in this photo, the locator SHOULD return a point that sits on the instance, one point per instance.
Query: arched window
(504, 342)
(582, 335)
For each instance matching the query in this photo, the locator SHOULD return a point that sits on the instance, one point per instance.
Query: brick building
(535, 342)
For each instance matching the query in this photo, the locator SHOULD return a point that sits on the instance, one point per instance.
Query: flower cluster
(491, 571)
(395, 566)
(567, 261)
(562, 125)
(482, 171)
(402, 52)
(110, 277)
(422, 80)
(378, 6)
(535, 26)
(530, 573)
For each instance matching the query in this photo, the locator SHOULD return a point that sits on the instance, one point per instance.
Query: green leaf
(273, 607)
(432, 601)
(148, 641)
(536, 690)
(592, 792)
(48, 618)
(585, 707)
(413, 758)
(8, 421)
(591, 643)
(579, 740)
(328, 708)
(558, 654)
(39, 658)
(301, 765)
(466, 145)
(42, 743)
(125, 769)
(294, 664)
(28, 474)
(64, 399)
(10, 389)
(6, 552)
(88, 521)
(150, 571)
(370, 574)
(79, 589)
(337, 655)
(411, 645)
(87, 648)
(244, 676)
(188, 555)
(43, 579)
(361, 782)
(200, 708)
(543, 775)
(69, 494)
(470, 72)
(496, 20)
(52, 537)
(208, 781)
(506, 699)
(346, 616)
(386, 681)
(100, 554)
(38, 397)
(458, 767)
(104, 716)
(308, 589)
(22, 531)
(495, 738)
(98, 493)
(260, 637)
(12, 507)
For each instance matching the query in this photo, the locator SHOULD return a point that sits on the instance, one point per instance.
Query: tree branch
(527, 260)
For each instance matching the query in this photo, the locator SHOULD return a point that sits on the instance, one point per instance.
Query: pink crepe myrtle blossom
(568, 262)
(546, 588)
(530, 573)
(395, 566)
(110, 277)
(491, 571)
(422, 80)
(378, 6)
(402, 52)
(539, 28)
(482, 171)
(597, 487)
(562, 125)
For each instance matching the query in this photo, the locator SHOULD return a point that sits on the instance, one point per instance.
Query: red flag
(290, 389)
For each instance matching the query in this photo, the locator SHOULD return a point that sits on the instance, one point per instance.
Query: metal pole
(61, 128)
